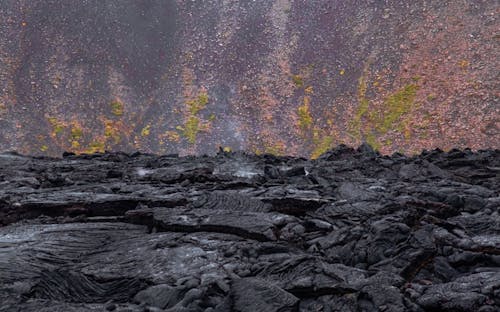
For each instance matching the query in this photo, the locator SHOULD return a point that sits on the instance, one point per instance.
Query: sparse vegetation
(190, 129)
(76, 133)
(76, 136)
(95, 147)
(146, 131)
(381, 119)
(57, 126)
(276, 149)
(111, 131)
(193, 124)
(371, 139)
(322, 146)
(396, 105)
(198, 104)
(364, 104)
(305, 118)
(172, 136)
(298, 81)
(117, 108)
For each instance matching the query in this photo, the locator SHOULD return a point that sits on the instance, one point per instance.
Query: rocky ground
(350, 231)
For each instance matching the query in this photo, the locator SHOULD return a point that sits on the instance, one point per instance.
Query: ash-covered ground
(350, 231)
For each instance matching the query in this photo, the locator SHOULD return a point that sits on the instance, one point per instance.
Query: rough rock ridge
(350, 231)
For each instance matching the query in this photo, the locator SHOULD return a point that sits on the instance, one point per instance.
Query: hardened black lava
(350, 231)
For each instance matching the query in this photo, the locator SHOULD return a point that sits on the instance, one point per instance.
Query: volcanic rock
(350, 231)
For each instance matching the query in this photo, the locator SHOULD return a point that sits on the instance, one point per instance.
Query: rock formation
(350, 231)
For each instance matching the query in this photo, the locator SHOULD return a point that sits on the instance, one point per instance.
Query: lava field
(350, 231)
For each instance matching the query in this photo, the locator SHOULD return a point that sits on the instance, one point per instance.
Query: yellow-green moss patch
(372, 140)
(298, 81)
(191, 129)
(323, 145)
(193, 125)
(57, 126)
(146, 131)
(305, 118)
(95, 147)
(196, 105)
(363, 104)
(117, 108)
(274, 149)
(396, 105)
(76, 133)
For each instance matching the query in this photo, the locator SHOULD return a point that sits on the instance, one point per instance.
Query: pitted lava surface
(350, 231)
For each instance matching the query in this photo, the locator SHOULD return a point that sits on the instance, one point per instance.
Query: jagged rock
(253, 294)
(140, 232)
(160, 296)
(254, 225)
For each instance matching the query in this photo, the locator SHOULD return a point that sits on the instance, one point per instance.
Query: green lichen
(298, 81)
(363, 106)
(111, 131)
(193, 124)
(372, 140)
(44, 148)
(388, 117)
(191, 129)
(146, 131)
(305, 118)
(76, 133)
(57, 126)
(395, 106)
(117, 108)
(58, 129)
(322, 146)
(196, 105)
(95, 147)
(362, 110)
(274, 149)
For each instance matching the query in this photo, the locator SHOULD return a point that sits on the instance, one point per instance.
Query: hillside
(288, 77)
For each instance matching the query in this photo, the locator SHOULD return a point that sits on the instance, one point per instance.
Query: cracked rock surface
(350, 231)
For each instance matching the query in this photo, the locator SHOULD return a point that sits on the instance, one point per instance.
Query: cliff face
(282, 76)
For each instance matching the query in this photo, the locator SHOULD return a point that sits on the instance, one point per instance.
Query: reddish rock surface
(283, 76)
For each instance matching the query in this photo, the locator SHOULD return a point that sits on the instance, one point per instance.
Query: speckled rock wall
(283, 76)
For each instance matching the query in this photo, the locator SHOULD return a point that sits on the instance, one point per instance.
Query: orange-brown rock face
(283, 76)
